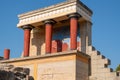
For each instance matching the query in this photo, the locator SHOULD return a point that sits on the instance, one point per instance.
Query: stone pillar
(27, 29)
(6, 53)
(85, 36)
(73, 30)
(48, 35)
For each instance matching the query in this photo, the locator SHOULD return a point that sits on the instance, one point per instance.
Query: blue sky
(106, 25)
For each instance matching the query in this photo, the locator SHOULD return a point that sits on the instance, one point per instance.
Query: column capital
(88, 22)
(30, 27)
(72, 0)
(74, 15)
(51, 21)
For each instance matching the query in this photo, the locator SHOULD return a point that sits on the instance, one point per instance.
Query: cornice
(55, 11)
(47, 9)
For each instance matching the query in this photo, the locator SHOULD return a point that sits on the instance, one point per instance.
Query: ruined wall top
(14, 73)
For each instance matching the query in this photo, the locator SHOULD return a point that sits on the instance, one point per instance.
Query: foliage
(118, 68)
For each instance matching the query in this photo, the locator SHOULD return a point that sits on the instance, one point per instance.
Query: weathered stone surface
(99, 67)
(37, 43)
(82, 70)
(57, 70)
(59, 66)
(9, 72)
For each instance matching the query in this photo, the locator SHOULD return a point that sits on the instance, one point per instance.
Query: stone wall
(82, 70)
(70, 65)
(57, 70)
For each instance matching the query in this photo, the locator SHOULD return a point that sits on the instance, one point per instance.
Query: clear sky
(106, 25)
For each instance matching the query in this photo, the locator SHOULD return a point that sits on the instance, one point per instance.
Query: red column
(6, 53)
(27, 30)
(48, 36)
(73, 31)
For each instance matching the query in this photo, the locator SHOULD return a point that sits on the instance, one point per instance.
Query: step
(106, 70)
(102, 70)
(94, 66)
(100, 61)
(104, 76)
(97, 57)
(111, 74)
(101, 56)
(118, 74)
(95, 53)
(118, 78)
(91, 48)
(97, 76)
(106, 61)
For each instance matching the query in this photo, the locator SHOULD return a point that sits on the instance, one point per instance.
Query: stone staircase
(100, 66)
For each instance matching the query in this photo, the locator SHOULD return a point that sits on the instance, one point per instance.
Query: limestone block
(101, 61)
(98, 57)
(111, 75)
(57, 71)
(94, 53)
(82, 70)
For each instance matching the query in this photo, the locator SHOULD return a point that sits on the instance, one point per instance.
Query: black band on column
(30, 27)
(74, 15)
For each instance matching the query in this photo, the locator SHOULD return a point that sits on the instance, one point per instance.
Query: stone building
(58, 45)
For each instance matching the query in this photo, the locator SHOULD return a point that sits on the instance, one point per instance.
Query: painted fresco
(61, 38)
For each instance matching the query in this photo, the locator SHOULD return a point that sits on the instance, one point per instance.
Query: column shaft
(85, 36)
(26, 42)
(48, 37)
(27, 32)
(6, 53)
(73, 33)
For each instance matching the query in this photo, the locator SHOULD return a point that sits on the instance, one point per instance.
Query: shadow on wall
(38, 40)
